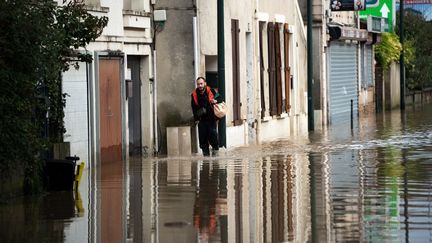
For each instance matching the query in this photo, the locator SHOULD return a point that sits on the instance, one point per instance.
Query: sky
(426, 9)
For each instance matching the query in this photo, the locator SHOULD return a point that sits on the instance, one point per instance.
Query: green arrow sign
(380, 8)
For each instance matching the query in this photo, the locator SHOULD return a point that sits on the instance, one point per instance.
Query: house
(265, 66)
(344, 70)
(109, 103)
(147, 59)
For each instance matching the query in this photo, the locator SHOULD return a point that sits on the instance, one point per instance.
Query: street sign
(377, 24)
(372, 3)
(379, 8)
(347, 5)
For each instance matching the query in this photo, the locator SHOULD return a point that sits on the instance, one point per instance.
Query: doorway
(134, 105)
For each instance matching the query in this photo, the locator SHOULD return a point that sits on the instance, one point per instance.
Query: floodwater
(367, 184)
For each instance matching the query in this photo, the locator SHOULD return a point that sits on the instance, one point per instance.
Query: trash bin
(60, 173)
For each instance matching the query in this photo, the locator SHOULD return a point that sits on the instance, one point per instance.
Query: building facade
(344, 70)
(109, 103)
(265, 60)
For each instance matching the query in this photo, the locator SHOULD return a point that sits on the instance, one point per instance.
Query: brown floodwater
(371, 183)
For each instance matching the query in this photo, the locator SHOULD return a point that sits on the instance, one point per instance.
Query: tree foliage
(418, 35)
(388, 50)
(38, 41)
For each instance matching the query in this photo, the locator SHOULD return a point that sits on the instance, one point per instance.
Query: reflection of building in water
(122, 202)
(205, 207)
(268, 200)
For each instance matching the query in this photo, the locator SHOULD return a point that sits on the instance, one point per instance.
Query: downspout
(311, 122)
(197, 63)
(155, 110)
(258, 93)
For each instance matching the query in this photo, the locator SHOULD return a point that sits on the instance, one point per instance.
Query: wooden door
(110, 109)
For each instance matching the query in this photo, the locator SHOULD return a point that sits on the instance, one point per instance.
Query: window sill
(282, 116)
(97, 9)
(267, 118)
(136, 13)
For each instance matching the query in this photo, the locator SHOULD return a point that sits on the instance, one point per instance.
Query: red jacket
(209, 95)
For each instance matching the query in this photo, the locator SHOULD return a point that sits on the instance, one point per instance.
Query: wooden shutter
(272, 69)
(287, 69)
(236, 72)
(278, 69)
(262, 69)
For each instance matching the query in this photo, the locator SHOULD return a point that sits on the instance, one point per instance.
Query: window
(279, 75)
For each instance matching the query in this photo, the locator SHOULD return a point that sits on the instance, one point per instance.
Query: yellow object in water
(78, 175)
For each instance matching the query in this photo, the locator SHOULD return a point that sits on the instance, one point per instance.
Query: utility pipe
(311, 125)
(257, 84)
(155, 110)
(197, 64)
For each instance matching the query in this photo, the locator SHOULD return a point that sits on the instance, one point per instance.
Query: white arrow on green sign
(379, 8)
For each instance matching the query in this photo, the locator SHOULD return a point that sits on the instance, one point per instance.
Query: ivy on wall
(388, 50)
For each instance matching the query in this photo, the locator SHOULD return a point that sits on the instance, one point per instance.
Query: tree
(38, 41)
(418, 34)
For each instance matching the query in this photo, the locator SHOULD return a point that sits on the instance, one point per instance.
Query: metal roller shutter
(343, 82)
(369, 65)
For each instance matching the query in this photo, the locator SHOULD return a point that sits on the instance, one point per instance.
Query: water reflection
(368, 184)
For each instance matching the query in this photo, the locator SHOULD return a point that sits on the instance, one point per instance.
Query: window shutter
(278, 69)
(262, 69)
(272, 69)
(287, 69)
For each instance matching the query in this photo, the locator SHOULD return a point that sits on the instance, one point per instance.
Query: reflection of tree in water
(37, 219)
(205, 201)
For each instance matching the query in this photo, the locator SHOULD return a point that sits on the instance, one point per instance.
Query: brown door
(111, 205)
(110, 109)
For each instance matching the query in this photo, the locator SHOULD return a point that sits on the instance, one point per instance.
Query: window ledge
(267, 118)
(136, 13)
(98, 9)
(282, 116)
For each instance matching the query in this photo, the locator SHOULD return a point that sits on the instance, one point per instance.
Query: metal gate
(343, 85)
(369, 65)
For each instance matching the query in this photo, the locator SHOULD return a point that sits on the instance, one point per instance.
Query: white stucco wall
(76, 122)
(249, 13)
(115, 37)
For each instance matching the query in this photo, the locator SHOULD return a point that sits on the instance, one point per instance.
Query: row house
(344, 67)
(109, 100)
(265, 66)
(147, 59)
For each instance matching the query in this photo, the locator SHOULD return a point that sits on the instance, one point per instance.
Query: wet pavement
(367, 184)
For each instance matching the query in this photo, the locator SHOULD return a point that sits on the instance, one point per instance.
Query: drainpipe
(155, 110)
(258, 93)
(197, 64)
(221, 67)
(310, 67)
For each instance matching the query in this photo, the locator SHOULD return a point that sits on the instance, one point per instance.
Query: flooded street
(368, 184)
